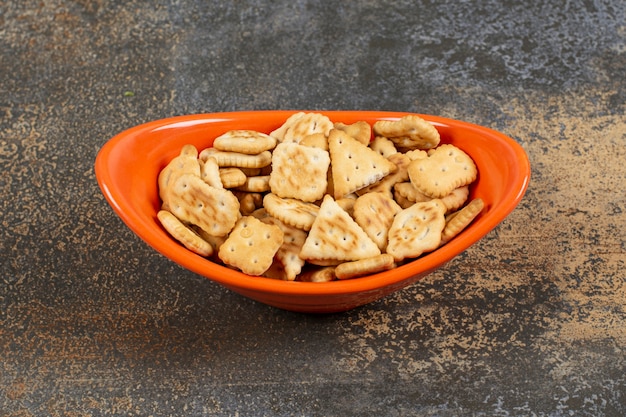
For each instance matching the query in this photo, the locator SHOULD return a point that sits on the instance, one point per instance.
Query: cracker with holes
(251, 246)
(210, 173)
(361, 131)
(354, 165)
(194, 201)
(185, 235)
(300, 125)
(401, 161)
(375, 212)
(459, 220)
(446, 168)
(291, 211)
(288, 253)
(185, 163)
(248, 142)
(335, 236)
(299, 171)
(232, 177)
(416, 230)
(410, 132)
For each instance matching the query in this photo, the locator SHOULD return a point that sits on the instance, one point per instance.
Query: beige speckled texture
(531, 321)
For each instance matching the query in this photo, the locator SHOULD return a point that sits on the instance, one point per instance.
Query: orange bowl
(127, 167)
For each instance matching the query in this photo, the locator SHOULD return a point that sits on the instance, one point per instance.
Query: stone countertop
(531, 321)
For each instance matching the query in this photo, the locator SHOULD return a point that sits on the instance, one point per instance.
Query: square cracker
(251, 245)
(299, 171)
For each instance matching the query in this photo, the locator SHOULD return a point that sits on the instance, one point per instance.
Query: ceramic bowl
(127, 167)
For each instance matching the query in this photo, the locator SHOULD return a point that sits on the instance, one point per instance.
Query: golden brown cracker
(185, 235)
(292, 211)
(375, 212)
(410, 131)
(361, 130)
(336, 236)
(446, 168)
(299, 172)
(367, 266)
(302, 124)
(194, 201)
(354, 165)
(460, 219)
(248, 142)
(251, 245)
(416, 230)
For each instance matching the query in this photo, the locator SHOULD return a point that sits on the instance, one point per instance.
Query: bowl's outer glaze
(127, 167)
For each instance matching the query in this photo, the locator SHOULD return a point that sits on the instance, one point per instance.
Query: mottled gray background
(529, 322)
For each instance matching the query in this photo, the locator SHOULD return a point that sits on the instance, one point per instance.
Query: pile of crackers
(317, 200)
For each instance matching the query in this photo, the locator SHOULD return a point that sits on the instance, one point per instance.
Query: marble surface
(529, 322)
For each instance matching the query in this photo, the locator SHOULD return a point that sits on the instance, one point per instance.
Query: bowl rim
(236, 279)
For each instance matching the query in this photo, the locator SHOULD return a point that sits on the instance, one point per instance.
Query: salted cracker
(410, 132)
(336, 236)
(416, 230)
(383, 146)
(361, 130)
(186, 162)
(386, 184)
(375, 212)
(302, 124)
(445, 169)
(459, 220)
(291, 211)
(367, 266)
(251, 246)
(210, 172)
(299, 171)
(354, 165)
(248, 142)
(232, 177)
(194, 201)
(185, 235)
(288, 253)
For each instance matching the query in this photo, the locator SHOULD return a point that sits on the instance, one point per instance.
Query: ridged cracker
(445, 169)
(185, 235)
(237, 159)
(363, 267)
(251, 246)
(459, 220)
(416, 230)
(232, 177)
(336, 236)
(354, 165)
(411, 132)
(292, 211)
(248, 142)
